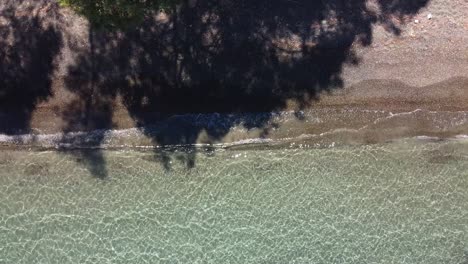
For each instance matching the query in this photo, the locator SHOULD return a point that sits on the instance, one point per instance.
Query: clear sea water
(404, 201)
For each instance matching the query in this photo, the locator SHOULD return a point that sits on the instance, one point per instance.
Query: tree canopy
(116, 13)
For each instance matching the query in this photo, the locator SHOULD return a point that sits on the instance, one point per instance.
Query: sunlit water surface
(400, 202)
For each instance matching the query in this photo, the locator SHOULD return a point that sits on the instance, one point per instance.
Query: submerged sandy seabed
(403, 202)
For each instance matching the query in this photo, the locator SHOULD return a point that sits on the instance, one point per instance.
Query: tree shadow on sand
(27, 50)
(228, 56)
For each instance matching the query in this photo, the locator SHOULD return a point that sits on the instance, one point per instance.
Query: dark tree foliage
(116, 13)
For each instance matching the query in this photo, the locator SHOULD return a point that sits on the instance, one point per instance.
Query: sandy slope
(425, 67)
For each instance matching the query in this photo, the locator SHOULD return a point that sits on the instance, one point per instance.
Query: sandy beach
(412, 57)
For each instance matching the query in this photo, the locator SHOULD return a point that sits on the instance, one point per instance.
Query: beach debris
(416, 21)
(429, 16)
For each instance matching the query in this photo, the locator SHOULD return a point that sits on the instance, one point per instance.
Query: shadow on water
(28, 47)
(212, 56)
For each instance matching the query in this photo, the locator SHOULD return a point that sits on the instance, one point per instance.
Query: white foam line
(57, 139)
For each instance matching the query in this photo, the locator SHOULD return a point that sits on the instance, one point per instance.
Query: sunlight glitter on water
(403, 202)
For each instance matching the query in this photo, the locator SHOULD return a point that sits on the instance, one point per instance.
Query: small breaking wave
(316, 127)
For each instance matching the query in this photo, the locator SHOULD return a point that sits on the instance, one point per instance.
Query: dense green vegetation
(116, 13)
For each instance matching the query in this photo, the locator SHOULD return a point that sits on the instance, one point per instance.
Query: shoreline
(316, 127)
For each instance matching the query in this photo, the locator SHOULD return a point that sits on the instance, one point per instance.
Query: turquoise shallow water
(400, 202)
